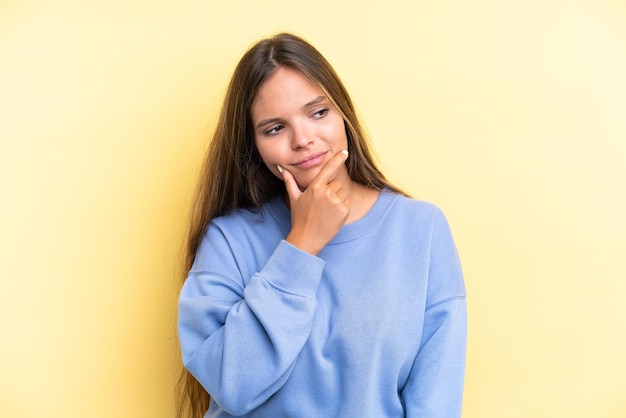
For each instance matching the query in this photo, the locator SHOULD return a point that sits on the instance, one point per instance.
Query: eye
(274, 130)
(320, 113)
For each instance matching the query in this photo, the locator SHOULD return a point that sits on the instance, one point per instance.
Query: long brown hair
(234, 176)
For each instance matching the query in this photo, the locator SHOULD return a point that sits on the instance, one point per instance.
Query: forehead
(285, 87)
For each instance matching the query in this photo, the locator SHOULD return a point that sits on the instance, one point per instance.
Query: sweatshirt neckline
(348, 232)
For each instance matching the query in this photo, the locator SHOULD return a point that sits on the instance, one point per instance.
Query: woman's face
(295, 126)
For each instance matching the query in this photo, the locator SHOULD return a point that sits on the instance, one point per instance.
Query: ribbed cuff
(293, 270)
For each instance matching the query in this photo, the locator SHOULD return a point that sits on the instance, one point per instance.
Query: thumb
(290, 184)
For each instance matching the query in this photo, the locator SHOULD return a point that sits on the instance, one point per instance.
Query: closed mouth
(310, 157)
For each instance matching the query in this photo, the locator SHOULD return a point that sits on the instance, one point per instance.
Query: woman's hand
(318, 213)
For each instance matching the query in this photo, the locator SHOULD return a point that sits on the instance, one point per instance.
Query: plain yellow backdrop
(510, 115)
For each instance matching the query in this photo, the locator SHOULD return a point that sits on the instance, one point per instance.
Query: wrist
(302, 243)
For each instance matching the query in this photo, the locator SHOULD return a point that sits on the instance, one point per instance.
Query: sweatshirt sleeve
(435, 385)
(241, 342)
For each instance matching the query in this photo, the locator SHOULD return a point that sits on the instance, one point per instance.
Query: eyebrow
(312, 103)
(315, 101)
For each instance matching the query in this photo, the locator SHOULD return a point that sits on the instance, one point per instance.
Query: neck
(362, 199)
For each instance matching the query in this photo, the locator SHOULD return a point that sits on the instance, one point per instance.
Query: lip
(311, 160)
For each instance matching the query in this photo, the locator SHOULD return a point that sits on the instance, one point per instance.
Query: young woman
(315, 288)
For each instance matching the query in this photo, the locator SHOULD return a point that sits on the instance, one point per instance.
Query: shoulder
(404, 208)
(243, 236)
(417, 218)
(416, 205)
(238, 217)
(267, 214)
(246, 227)
(445, 273)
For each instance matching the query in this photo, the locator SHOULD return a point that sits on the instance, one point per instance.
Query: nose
(300, 137)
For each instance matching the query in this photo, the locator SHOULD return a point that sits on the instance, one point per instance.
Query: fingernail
(345, 152)
(280, 169)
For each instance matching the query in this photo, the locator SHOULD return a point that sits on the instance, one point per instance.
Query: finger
(332, 167)
(335, 185)
(293, 190)
(342, 195)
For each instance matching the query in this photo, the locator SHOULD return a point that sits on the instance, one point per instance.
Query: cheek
(338, 130)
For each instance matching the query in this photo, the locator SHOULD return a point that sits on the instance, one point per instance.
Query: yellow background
(510, 115)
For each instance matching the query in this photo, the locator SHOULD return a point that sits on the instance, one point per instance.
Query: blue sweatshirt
(374, 326)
